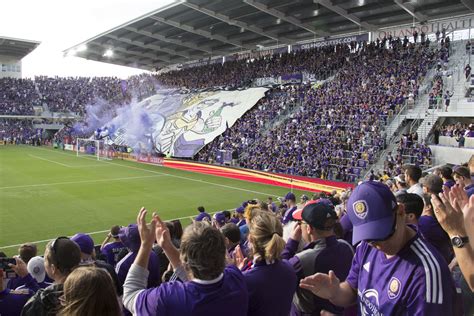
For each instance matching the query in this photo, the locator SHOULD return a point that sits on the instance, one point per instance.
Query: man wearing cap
(111, 250)
(131, 239)
(394, 272)
(401, 184)
(218, 220)
(462, 177)
(36, 270)
(412, 176)
(239, 215)
(86, 244)
(323, 252)
(290, 201)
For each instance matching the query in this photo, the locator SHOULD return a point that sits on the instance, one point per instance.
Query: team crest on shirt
(360, 209)
(394, 288)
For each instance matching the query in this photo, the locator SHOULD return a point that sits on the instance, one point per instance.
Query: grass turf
(46, 193)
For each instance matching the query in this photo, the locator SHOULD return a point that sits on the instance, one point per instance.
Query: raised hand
(162, 233)
(323, 285)
(240, 260)
(147, 231)
(296, 232)
(19, 268)
(449, 216)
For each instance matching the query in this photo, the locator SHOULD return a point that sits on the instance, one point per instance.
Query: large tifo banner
(181, 124)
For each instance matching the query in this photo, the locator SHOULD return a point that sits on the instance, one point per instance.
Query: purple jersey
(124, 265)
(416, 281)
(469, 190)
(450, 183)
(111, 252)
(271, 288)
(289, 215)
(433, 233)
(202, 216)
(12, 301)
(227, 296)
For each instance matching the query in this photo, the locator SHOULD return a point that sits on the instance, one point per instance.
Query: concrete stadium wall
(453, 155)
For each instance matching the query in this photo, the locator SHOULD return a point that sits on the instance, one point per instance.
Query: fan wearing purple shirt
(131, 239)
(394, 272)
(290, 201)
(112, 249)
(202, 215)
(209, 287)
(446, 173)
(26, 252)
(271, 281)
(321, 253)
(12, 301)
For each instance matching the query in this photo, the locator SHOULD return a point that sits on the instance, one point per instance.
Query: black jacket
(45, 302)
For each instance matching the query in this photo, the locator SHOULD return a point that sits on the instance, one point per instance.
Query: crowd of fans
(315, 257)
(337, 130)
(16, 131)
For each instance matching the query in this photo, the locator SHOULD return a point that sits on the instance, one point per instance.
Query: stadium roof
(190, 30)
(15, 47)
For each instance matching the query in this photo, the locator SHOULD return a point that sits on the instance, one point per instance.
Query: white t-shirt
(417, 189)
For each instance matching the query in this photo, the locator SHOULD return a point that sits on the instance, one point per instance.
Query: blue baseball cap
(219, 217)
(85, 242)
(130, 237)
(290, 196)
(371, 209)
(240, 209)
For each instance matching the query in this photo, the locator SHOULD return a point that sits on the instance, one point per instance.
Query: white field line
(75, 182)
(52, 161)
(97, 232)
(151, 171)
(170, 175)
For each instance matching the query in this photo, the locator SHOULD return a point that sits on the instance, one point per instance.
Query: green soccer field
(46, 193)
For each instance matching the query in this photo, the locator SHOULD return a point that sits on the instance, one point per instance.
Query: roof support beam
(281, 15)
(468, 4)
(147, 46)
(170, 40)
(203, 33)
(410, 9)
(228, 20)
(342, 12)
(149, 56)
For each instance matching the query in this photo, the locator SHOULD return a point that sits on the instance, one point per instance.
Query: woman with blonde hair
(89, 291)
(271, 281)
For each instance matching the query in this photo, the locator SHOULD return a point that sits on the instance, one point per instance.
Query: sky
(58, 25)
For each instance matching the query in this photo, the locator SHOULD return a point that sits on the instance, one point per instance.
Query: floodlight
(81, 48)
(108, 53)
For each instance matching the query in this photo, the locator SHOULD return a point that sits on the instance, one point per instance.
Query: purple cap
(85, 242)
(219, 217)
(370, 209)
(290, 196)
(130, 237)
(240, 209)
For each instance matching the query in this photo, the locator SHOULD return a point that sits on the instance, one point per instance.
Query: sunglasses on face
(54, 245)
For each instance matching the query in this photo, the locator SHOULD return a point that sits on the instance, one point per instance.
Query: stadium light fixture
(81, 48)
(108, 53)
(71, 52)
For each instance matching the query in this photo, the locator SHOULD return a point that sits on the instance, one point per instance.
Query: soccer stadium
(237, 157)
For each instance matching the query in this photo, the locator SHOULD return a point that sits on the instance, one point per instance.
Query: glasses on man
(54, 245)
